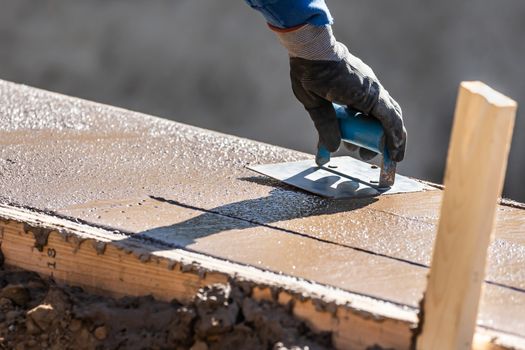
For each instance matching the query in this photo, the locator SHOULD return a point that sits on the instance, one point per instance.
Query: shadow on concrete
(281, 205)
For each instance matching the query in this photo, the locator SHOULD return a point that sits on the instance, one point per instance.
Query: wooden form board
(98, 262)
(475, 172)
(105, 263)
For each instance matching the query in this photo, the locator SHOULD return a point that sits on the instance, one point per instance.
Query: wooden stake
(476, 165)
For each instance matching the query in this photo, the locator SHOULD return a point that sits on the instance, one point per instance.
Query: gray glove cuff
(312, 43)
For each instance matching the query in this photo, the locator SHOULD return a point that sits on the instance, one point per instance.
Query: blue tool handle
(360, 130)
(363, 131)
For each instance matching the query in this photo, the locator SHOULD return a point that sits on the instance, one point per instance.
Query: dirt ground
(38, 314)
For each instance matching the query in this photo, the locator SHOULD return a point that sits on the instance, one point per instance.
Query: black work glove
(323, 71)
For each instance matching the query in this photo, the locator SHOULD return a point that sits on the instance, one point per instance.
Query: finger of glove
(361, 66)
(321, 112)
(342, 83)
(325, 122)
(388, 112)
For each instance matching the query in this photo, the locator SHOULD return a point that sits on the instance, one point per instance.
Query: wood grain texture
(475, 172)
(117, 272)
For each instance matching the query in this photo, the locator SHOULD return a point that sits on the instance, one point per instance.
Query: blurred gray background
(214, 63)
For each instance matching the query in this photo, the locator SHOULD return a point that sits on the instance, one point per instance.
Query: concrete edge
(325, 308)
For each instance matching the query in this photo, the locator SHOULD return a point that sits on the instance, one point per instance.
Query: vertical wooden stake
(474, 176)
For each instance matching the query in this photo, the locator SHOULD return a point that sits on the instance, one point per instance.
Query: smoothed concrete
(188, 187)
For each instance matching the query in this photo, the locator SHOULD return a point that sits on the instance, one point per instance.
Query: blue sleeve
(291, 13)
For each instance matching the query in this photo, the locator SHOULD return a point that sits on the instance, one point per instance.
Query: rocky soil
(38, 314)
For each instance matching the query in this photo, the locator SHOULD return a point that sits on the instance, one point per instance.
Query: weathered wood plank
(476, 165)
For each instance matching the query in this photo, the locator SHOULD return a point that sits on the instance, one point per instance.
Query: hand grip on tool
(363, 131)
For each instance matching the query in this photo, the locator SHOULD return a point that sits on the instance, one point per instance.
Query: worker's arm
(323, 71)
(292, 13)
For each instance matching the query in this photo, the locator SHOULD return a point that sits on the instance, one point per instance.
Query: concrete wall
(214, 63)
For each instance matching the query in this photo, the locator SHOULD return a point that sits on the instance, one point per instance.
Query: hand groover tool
(363, 131)
(345, 177)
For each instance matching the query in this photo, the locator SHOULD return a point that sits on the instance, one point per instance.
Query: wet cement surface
(189, 187)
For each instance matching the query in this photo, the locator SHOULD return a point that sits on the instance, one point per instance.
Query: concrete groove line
(188, 206)
(160, 244)
(362, 250)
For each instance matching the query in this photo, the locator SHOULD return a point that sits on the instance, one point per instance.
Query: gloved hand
(323, 71)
